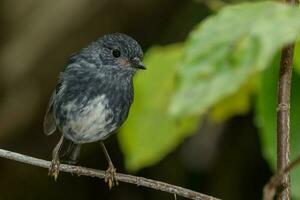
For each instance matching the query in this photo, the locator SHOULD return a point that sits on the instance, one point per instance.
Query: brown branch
(275, 181)
(83, 171)
(283, 116)
(283, 119)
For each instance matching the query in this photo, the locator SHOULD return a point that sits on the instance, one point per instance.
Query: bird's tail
(67, 151)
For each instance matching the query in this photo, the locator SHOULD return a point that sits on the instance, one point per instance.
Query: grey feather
(49, 120)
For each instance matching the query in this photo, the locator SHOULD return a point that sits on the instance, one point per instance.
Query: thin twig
(283, 116)
(83, 171)
(275, 181)
(283, 119)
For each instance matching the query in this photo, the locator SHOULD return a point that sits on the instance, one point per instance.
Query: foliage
(227, 49)
(216, 68)
(235, 104)
(150, 132)
(297, 58)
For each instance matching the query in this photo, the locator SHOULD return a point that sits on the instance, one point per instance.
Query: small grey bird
(93, 97)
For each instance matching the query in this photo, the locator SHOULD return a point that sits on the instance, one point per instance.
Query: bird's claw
(54, 169)
(111, 176)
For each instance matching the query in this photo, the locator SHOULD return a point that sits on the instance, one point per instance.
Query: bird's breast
(90, 107)
(90, 121)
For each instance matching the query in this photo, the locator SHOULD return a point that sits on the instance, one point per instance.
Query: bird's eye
(116, 53)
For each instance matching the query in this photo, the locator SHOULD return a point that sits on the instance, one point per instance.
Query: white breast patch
(90, 122)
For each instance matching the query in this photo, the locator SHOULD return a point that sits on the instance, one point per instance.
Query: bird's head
(121, 51)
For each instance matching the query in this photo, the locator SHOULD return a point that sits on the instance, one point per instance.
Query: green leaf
(236, 104)
(150, 132)
(297, 58)
(266, 119)
(228, 48)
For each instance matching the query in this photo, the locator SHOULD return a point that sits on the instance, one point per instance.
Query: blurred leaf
(150, 133)
(236, 104)
(228, 48)
(266, 119)
(297, 57)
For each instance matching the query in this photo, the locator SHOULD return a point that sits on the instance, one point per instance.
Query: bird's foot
(111, 176)
(54, 169)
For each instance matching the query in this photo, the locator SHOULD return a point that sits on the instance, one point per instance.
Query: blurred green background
(204, 115)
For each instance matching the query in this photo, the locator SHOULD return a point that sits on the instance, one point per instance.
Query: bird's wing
(49, 121)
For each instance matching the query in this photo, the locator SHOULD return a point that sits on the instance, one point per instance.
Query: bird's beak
(137, 63)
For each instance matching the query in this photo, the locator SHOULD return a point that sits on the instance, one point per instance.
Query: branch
(283, 119)
(275, 181)
(83, 171)
(283, 116)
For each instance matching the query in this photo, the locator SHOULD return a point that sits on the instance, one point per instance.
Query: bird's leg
(111, 176)
(54, 167)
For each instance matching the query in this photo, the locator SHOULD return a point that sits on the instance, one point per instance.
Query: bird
(92, 98)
